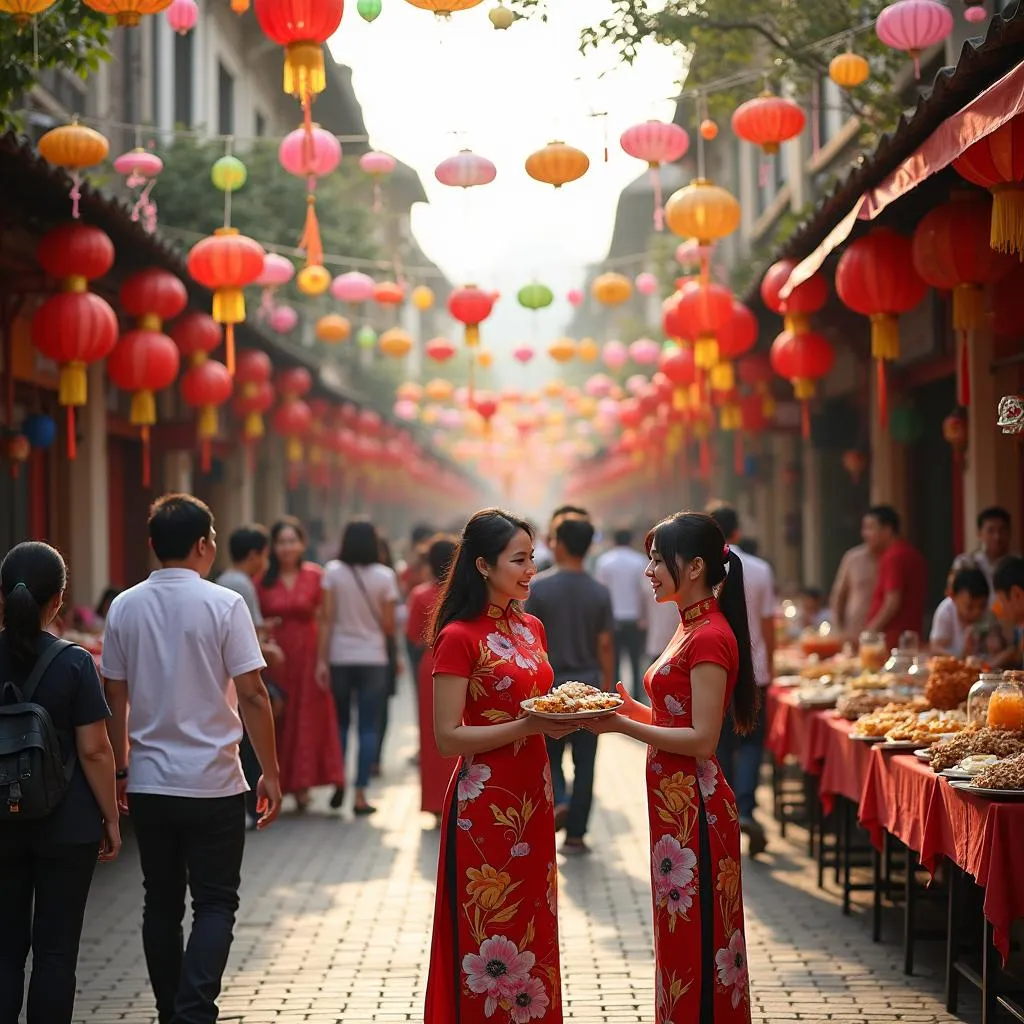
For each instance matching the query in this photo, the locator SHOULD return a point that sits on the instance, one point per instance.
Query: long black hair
(464, 593)
(273, 573)
(360, 543)
(689, 535)
(32, 575)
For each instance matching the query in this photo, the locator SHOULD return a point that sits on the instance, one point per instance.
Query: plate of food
(1002, 779)
(573, 701)
(971, 786)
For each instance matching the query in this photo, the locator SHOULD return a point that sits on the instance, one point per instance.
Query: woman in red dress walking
(699, 948)
(494, 951)
(309, 750)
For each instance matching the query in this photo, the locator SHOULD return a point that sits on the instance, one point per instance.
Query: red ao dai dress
(699, 946)
(494, 951)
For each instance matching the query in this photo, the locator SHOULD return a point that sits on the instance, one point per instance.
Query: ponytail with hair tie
(31, 576)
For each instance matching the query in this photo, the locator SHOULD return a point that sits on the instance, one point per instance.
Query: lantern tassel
(72, 440)
(76, 193)
(963, 377)
(1008, 217)
(885, 336)
(659, 201)
(915, 56)
(147, 474)
(968, 306)
(310, 241)
(229, 348)
(883, 395)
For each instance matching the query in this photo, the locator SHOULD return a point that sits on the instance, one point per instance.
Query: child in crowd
(813, 609)
(957, 624)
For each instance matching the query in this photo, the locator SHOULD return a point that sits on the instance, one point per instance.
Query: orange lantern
(848, 70)
(128, 12)
(23, 10)
(74, 147)
(612, 289)
(704, 211)
(333, 329)
(396, 343)
(557, 164)
(226, 263)
(562, 349)
(439, 389)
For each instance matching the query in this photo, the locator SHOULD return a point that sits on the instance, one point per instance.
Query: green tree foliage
(270, 207)
(68, 35)
(722, 36)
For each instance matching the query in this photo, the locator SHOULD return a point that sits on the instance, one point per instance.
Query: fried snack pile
(856, 704)
(949, 753)
(570, 698)
(883, 720)
(926, 732)
(1008, 774)
(949, 682)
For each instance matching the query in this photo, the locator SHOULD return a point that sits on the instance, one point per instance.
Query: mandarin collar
(495, 611)
(691, 613)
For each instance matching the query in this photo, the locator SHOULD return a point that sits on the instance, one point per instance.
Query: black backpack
(33, 775)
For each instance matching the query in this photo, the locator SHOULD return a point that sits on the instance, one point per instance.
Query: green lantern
(906, 425)
(369, 10)
(229, 174)
(535, 296)
(366, 337)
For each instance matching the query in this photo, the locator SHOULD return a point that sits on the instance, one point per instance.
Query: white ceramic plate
(573, 716)
(923, 754)
(992, 794)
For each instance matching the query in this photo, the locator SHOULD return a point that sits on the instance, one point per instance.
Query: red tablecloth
(795, 731)
(845, 766)
(897, 798)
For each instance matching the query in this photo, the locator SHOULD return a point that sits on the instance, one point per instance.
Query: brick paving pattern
(335, 923)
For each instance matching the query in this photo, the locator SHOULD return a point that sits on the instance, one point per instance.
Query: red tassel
(146, 462)
(737, 453)
(72, 440)
(964, 376)
(229, 348)
(883, 395)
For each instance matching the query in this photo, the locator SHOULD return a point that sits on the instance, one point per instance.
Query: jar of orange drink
(1006, 706)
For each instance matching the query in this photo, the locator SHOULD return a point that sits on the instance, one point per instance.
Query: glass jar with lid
(1006, 705)
(980, 695)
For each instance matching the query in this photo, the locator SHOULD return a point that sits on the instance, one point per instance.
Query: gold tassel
(1008, 217)
(968, 306)
(207, 424)
(885, 336)
(796, 323)
(73, 388)
(143, 410)
(803, 388)
(722, 377)
(705, 352)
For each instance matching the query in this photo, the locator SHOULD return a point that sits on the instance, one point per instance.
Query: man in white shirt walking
(621, 570)
(741, 756)
(172, 646)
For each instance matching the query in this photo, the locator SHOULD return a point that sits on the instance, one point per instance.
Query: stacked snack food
(949, 753)
(572, 697)
(1005, 774)
(923, 732)
(882, 720)
(949, 682)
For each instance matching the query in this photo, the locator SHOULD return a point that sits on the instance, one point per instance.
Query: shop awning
(999, 103)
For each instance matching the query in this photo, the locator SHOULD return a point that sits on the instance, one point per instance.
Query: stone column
(271, 498)
(90, 531)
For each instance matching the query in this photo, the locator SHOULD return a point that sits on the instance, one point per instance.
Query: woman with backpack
(60, 815)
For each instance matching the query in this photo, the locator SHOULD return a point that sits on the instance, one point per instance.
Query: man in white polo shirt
(171, 648)
(741, 756)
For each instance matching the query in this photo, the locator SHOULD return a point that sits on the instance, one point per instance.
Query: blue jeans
(740, 758)
(584, 753)
(369, 685)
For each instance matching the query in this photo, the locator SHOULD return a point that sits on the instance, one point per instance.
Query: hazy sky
(429, 88)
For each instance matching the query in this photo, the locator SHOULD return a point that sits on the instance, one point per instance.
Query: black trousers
(584, 753)
(45, 887)
(630, 640)
(198, 843)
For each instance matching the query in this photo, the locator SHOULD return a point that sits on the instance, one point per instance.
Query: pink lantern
(182, 16)
(598, 386)
(283, 319)
(450, 419)
(636, 384)
(141, 169)
(523, 354)
(614, 355)
(406, 409)
(913, 26)
(656, 142)
(277, 271)
(575, 297)
(353, 287)
(975, 13)
(465, 170)
(646, 283)
(645, 352)
(691, 254)
(378, 166)
(310, 153)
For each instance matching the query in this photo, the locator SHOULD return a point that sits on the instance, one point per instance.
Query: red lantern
(292, 420)
(705, 309)
(802, 301)
(301, 27)
(802, 359)
(755, 371)
(673, 324)
(737, 336)
(768, 120)
(876, 277)
(996, 162)
(153, 293)
(471, 306)
(226, 263)
(196, 333)
(254, 395)
(387, 293)
(206, 386)
(75, 327)
(439, 349)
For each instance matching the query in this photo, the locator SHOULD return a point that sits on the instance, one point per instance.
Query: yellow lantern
(74, 146)
(333, 329)
(128, 12)
(702, 210)
(439, 389)
(562, 349)
(588, 350)
(313, 280)
(484, 359)
(554, 388)
(396, 343)
(612, 289)
(23, 10)
(444, 8)
(848, 70)
(409, 391)
(586, 407)
(422, 298)
(557, 164)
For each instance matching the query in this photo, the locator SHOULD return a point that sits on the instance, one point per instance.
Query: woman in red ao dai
(494, 950)
(699, 947)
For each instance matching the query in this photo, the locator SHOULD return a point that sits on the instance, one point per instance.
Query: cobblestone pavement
(335, 922)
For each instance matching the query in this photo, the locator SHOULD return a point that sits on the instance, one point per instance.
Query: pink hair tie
(725, 553)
